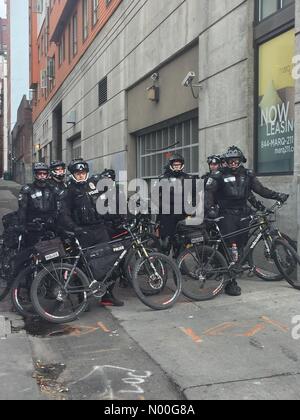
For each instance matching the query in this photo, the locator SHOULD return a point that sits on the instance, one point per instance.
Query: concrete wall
(135, 41)
(174, 98)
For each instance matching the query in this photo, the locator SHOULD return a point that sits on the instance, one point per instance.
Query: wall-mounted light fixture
(153, 91)
(188, 82)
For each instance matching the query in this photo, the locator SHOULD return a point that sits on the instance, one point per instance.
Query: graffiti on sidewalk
(248, 329)
(116, 381)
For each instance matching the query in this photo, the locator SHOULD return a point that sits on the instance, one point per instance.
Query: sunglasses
(234, 162)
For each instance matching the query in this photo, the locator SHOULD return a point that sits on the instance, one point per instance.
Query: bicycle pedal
(94, 286)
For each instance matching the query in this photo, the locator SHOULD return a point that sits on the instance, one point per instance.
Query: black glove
(260, 207)
(283, 198)
(80, 231)
(213, 212)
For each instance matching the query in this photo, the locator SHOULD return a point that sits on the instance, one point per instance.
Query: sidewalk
(10, 186)
(16, 365)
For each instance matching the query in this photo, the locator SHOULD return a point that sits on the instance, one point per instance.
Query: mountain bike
(27, 266)
(206, 269)
(60, 291)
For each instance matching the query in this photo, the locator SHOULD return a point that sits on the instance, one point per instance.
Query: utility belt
(236, 211)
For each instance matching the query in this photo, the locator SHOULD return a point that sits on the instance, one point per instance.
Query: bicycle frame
(257, 230)
(96, 285)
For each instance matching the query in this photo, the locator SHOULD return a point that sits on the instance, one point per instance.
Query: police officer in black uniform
(214, 164)
(58, 174)
(80, 214)
(40, 202)
(168, 222)
(229, 189)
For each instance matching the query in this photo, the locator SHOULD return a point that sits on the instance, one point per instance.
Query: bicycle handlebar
(267, 212)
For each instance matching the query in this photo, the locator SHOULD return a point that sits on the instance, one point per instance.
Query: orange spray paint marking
(219, 329)
(103, 327)
(191, 333)
(276, 324)
(251, 333)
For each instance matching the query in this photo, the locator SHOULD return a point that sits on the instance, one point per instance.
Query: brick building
(22, 144)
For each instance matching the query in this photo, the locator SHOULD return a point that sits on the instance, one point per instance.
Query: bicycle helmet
(54, 166)
(109, 173)
(40, 167)
(176, 158)
(79, 165)
(235, 153)
(214, 160)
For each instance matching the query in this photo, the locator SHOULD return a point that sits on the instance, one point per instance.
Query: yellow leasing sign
(276, 107)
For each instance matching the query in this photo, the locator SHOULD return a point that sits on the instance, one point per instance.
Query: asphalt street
(230, 348)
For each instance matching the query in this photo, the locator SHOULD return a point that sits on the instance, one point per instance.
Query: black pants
(96, 234)
(231, 223)
(168, 224)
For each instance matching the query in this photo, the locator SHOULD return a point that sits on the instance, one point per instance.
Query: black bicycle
(60, 291)
(30, 261)
(206, 269)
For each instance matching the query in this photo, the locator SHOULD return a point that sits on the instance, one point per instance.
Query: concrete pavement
(228, 348)
(16, 364)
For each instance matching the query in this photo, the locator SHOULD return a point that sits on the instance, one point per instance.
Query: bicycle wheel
(4, 287)
(4, 279)
(20, 292)
(157, 281)
(287, 260)
(151, 243)
(204, 272)
(52, 300)
(262, 262)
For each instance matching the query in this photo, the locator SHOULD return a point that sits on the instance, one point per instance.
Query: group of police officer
(229, 186)
(61, 205)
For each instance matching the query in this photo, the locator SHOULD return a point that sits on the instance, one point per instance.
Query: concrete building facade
(120, 102)
(22, 144)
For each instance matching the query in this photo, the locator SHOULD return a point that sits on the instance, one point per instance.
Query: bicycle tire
(40, 291)
(283, 266)
(4, 288)
(20, 292)
(268, 263)
(211, 270)
(132, 257)
(161, 282)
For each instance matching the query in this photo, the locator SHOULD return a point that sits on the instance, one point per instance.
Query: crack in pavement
(280, 375)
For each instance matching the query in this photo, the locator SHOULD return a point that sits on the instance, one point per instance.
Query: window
(85, 20)
(269, 7)
(74, 35)
(70, 42)
(95, 5)
(102, 88)
(275, 112)
(151, 159)
(61, 50)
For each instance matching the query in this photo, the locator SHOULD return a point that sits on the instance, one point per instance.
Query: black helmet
(78, 165)
(57, 164)
(214, 159)
(235, 153)
(109, 173)
(38, 167)
(176, 158)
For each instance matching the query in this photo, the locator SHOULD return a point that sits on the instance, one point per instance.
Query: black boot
(233, 289)
(110, 300)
